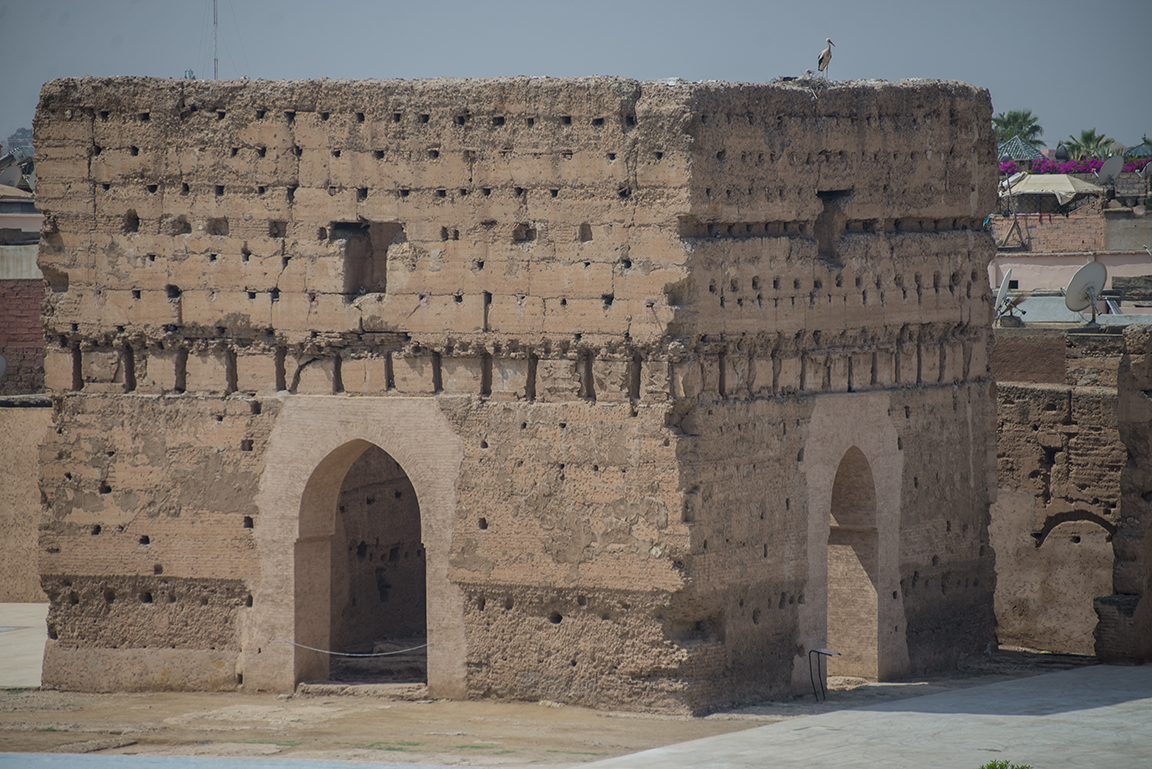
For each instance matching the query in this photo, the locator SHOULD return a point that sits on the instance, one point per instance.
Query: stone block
(557, 380)
(207, 371)
(364, 375)
(58, 369)
(509, 378)
(788, 380)
(415, 374)
(463, 375)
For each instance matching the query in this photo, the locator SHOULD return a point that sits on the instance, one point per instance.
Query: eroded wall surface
(1058, 504)
(22, 430)
(589, 320)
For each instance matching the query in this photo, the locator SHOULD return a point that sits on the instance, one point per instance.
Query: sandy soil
(392, 724)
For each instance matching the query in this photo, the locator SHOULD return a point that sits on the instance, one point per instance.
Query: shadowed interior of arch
(853, 545)
(378, 575)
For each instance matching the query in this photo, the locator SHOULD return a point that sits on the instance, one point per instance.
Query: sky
(1075, 65)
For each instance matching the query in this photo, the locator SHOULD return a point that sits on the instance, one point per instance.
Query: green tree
(22, 137)
(1089, 145)
(1018, 122)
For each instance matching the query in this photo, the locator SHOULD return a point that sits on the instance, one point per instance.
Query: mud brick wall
(1124, 632)
(629, 343)
(22, 428)
(1058, 506)
(22, 336)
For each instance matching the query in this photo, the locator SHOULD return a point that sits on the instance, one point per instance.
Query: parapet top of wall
(519, 206)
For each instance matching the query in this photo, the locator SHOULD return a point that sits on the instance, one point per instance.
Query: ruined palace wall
(813, 272)
(22, 430)
(1124, 630)
(523, 292)
(1060, 457)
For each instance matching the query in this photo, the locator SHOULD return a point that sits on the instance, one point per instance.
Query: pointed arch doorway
(378, 595)
(314, 444)
(853, 561)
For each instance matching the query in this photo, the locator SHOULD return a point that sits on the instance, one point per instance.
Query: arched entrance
(378, 575)
(853, 560)
(315, 442)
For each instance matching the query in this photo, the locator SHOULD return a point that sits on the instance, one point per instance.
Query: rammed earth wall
(686, 380)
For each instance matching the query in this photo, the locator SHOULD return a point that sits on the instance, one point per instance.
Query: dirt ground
(393, 724)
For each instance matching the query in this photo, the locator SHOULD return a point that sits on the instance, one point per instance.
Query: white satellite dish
(1110, 171)
(1085, 288)
(1002, 294)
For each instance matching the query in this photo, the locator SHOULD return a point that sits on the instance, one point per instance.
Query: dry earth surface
(392, 724)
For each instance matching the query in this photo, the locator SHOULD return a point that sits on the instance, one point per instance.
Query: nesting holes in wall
(915, 482)
(145, 540)
(441, 193)
(109, 595)
(277, 228)
(555, 618)
(899, 444)
(462, 119)
(246, 444)
(508, 603)
(483, 524)
(486, 191)
(133, 150)
(105, 488)
(95, 530)
(104, 115)
(498, 120)
(248, 522)
(151, 188)
(935, 560)
(220, 114)
(658, 155)
(378, 154)
(145, 597)
(361, 193)
(217, 226)
(404, 192)
(424, 117)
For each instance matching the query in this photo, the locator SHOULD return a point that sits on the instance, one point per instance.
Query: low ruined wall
(1081, 230)
(1058, 503)
(22, 430)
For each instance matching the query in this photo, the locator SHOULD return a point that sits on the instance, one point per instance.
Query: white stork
(826, 56)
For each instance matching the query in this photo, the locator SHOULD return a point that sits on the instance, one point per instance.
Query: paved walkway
(1094, 717)
(1098, 717)
(22, 637)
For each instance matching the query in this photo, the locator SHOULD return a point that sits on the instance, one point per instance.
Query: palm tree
(1018, 122)
(1089, 145)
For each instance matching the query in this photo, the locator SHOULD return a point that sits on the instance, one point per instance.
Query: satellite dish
(1002, 293)
(1085, 287)
(1109, 172)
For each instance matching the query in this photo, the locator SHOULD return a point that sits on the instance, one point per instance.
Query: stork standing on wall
(826, 56)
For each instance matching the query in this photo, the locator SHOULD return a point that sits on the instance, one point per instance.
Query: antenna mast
(215, 58)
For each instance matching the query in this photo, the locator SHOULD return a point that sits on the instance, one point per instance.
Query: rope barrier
(350, 654)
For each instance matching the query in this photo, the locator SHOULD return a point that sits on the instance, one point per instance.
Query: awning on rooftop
(1063, 186)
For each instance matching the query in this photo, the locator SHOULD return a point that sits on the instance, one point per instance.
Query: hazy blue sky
(1076, 65)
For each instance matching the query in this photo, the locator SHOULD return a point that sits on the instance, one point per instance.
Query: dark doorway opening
(379, 604)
